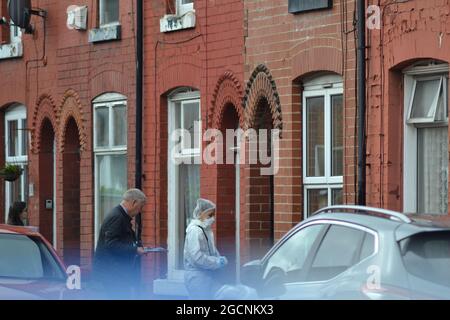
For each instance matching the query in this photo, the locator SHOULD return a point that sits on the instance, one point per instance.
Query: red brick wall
(292, 47)
(410, 31)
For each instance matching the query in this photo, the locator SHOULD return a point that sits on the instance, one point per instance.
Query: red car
(30, 269)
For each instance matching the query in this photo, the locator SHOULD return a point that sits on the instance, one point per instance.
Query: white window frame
(15, 38)
(174, 182)
(184, 8)
(100, 16)
(411, 75)
(16, 113)
(324, 86)
(109, 100)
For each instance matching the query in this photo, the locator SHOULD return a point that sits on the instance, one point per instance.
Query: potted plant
(11, 172)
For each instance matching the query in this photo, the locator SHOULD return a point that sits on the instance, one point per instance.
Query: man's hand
(140, 251)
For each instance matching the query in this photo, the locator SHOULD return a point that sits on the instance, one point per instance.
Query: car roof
(27, 231)
(418, 224)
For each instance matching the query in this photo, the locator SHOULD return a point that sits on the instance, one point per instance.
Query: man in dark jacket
(115, 256)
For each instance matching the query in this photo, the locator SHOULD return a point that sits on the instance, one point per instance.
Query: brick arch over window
(228, 91)
(45, 108)
(71, 107)
(169, 76)
(317, 59)
(262, 86)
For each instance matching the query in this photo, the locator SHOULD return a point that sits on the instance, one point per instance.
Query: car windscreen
(24, 257)
(427, 256)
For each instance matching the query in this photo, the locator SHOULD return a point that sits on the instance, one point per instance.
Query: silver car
(351, 252)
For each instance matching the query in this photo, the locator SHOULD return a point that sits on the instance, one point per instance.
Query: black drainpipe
(361, 65)
(139, 103)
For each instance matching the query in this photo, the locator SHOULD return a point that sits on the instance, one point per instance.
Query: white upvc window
(110, 149)
(109, 12)
(184, 6)
(426, 139)
(16, 140)
(14, 48)
(183, 173)
(323, 148)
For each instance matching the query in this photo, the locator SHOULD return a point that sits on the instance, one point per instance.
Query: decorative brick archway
(228, 91)
(72, 138)
(262, 111)
(44, 109)
(71, 107)
(262, 86)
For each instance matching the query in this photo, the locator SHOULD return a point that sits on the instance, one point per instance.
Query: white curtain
(432, 170)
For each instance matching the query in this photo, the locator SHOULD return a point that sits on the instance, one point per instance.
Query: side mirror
(274, 283)
(251, 274)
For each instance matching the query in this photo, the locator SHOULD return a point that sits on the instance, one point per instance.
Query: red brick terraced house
(67, 118)
(407, 135)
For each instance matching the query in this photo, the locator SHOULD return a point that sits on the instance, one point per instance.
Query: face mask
(209, 222)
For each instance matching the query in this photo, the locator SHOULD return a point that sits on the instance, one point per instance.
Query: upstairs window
(296, 6)
(109, 12)
(185, 6)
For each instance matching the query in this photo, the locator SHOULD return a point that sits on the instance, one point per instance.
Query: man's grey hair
(134, 195)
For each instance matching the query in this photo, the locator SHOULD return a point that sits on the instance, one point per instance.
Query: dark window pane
(120, 125)
(315, 137)
(13, 138)
(111, 182)
(317, 199)
(427, 256)
(291, 256)
(337, 197)
(191, 117)
(24, 133)
(337, 139)
(306, 5)
(109, 11)
(368, 246)
(426, 92)
(102, 127)
(336, 254)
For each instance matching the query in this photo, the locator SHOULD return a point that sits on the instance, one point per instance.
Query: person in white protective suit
(201, 257)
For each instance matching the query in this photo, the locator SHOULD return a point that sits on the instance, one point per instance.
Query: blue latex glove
(223, 261)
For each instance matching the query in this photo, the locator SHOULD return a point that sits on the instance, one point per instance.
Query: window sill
(105, 33)
(171, 22)
(11, 50)
(166, 287)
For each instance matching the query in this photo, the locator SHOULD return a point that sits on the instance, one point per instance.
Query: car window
(290, 257)
(26, 257)
(368, 246)
(427, 256)
(338, 251)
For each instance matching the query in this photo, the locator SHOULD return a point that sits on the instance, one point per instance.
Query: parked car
(351, 252)
(29, 266)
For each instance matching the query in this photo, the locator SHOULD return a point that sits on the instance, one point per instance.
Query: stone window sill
(172, 22)
(105, 33)
(11, 50)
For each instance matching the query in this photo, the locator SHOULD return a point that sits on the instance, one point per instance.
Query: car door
(339, 250)
(289, 259)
